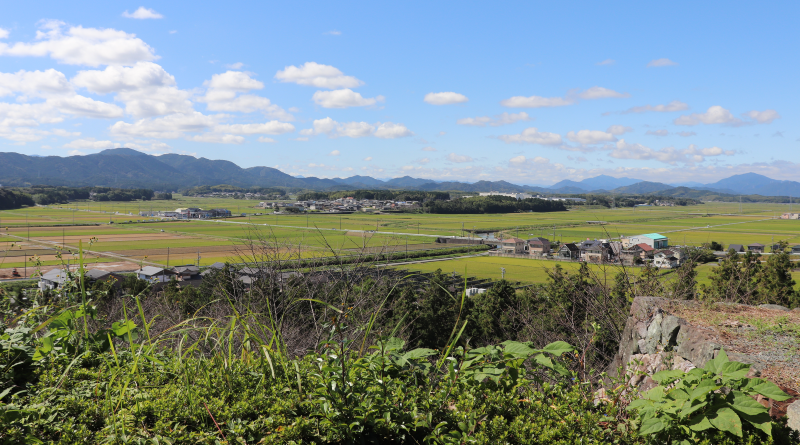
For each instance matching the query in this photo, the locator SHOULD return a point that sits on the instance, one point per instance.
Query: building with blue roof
(654, 240)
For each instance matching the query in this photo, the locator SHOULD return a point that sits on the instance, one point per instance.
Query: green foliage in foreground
(76, 389)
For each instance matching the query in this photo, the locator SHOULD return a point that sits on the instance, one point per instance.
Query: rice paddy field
(119, 234)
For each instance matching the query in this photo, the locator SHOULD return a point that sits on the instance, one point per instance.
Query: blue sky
(528, 92)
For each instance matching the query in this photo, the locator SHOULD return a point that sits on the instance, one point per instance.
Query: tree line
(382, 195)
(493, 204)
(10, 199)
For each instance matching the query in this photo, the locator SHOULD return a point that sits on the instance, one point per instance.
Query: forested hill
(13, 200)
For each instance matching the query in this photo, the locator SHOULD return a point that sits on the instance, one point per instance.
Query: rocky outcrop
(658, 336)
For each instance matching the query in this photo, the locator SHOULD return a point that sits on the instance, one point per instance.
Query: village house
(665, 259)
(56, 278)
(594, 251)
(790, 216)
(512, 245)
(756, 248)
(569, 251)
(187, 273)
(796, 250)
(538, 246)
(154, 274)
(738, 248)
(654, 240)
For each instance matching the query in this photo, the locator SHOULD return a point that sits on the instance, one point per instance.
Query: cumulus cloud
(82, 46)
(428, 149)
(606, 62)
(660, 62)
(601, 93)
(267, 140)
(225, 94)
(714, 115)
(142, 13)
(390, 130)
(317, 75)
(344, 98)
(686, 134)
(84, 106)
(368, 158)
(668, 155)
(535, 102)
(675, 105)
(762, 117)
(234, 66)
(617, 130)
(334, 153)
(35, 83)
(532, 136)
(91, 143)
(384, 130)
(271, 127)
(496, 121)
(459, 159)
(590, 137)
(168, 127)
(521, 161)
(657, 132)
(445, 98)
(3, 33)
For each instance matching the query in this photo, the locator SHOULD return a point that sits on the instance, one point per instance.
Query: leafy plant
(687, 407)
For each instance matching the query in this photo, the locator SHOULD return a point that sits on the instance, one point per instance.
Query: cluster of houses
(189, 213)
(790, 216)
(342, 205)
(651, 247)
(528, 195)
(187, 274)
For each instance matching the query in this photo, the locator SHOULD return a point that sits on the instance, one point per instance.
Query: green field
(317, 234)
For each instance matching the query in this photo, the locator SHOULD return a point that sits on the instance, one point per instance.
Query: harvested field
(117, 266)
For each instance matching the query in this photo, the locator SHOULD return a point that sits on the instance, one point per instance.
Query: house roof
(654, 236)
(217, 265)
(586, 245)
(644, 247)
(571, 246)
(96, 274)
(152, 270)
(512, 240)
(56, 276)
(193, 270)
(538, 240)
(736, 247)
(755, 245)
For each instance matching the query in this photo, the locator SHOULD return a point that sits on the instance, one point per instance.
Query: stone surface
(669, 330)
(793, 414)
(653, 338)
(775, 307)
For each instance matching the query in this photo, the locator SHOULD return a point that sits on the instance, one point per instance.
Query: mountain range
(124, 168)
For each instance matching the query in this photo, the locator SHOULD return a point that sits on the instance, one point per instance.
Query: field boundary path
(431, 260)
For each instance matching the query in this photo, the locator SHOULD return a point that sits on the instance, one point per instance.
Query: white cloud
(590, 137)
(217, 138)
(498, 120)
(266, 140)
(333, 33)
(83, 46)
(142, 13)
(606, 62)
(428, 149)
(234, 66)
(334, 153)
(521, 161)
(686, 134)
(222, 96)
(660, 62)
(535, 102)
(317, 75)
(617, 130)
(423, 161)
(601, 93)
(763, 117)
(271, 127)
(168, 127)
(715, 115)
(445, 98)
(669, 155)
(84, 106)
(344, 98)
(657, 132)
(115, 79)
(34, 83)
(76, 153)
(91, 143)
(3, 33)
(675, 105)
(459, 159)
(368, 158)
(532, 136)
(390, 130)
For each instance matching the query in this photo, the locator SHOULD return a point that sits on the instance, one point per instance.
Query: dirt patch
(110, 238)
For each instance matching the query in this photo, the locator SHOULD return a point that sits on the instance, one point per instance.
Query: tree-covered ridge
(10, 199)
(493, 204)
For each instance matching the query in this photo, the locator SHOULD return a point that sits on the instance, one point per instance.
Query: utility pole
(502, 273)
(167, 257)
(462, 230)
(28, 225)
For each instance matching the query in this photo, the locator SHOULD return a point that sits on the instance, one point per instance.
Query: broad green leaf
(418, 353)
(703, 388)
(667, 375)
(394, 344)
(121, 328)
(771, 390)
(725, 419)
(688, 410)
(639, 404)
(734, 370)
(517, 349)
(652, 426)
(761, 421)
(656, 394)
(745, 404)
(679, 394)
(715, 364)
(558, 347)
(699, 423)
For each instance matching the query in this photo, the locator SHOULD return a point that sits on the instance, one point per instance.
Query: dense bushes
(14, 200)
(493, 204)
